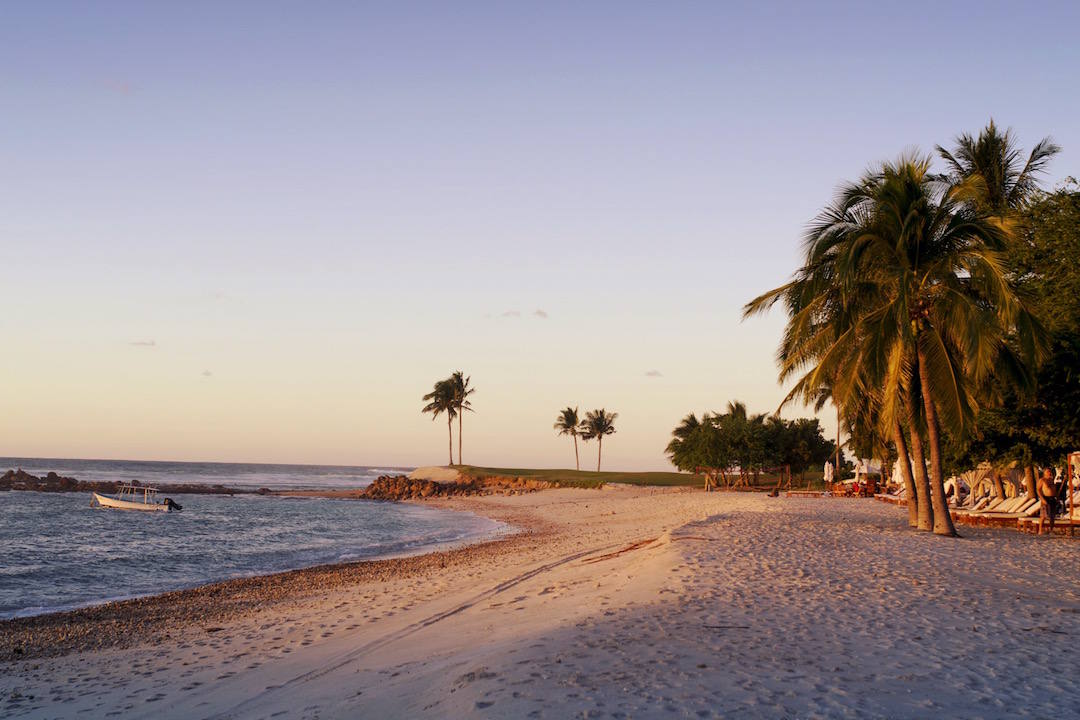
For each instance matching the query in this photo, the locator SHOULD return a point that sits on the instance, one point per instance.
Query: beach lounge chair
(1063, 521)
(1016, 504)
(896, 497)
(996, 514)
(984, 505)
(1027, 507)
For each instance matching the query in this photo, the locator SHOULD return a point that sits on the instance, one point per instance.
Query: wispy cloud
(207, 373)
(653, 373)
(537, 313)
(122, 87)
(143, 343)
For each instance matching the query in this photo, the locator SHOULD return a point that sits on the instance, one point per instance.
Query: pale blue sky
(328, 206)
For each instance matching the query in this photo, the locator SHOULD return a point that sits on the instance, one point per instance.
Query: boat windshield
(137, 493)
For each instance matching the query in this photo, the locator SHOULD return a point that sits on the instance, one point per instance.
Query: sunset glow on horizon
(260, 234)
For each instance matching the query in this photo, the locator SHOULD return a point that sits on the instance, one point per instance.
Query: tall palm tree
(567, 424)
(937, 259)
(1005, 180)
(440, 400)
(822, 340)
(935, 320)
(1002, 183)
(597, 424)
(461, 391)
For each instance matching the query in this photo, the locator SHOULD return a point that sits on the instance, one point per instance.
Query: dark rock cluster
(22, 480)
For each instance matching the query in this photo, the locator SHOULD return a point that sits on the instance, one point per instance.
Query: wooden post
(836, 477)
(1072, 458)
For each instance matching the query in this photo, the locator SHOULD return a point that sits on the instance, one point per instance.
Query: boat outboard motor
(173, 505)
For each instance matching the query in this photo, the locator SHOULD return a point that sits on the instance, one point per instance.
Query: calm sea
(56, 552)
(248, 475)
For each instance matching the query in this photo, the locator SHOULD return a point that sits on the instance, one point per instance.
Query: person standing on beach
(1048, 498)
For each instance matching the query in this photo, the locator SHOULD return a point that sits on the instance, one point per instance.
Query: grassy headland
(589, 479)
(586, 479)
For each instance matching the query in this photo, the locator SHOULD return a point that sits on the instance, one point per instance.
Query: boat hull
(108, 502)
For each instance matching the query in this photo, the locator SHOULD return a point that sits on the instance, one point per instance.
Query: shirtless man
(1047, 491)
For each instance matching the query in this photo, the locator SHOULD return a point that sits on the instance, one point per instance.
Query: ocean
(58, 553)
(246, 475)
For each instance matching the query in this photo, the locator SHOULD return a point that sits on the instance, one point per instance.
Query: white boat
(136, 497)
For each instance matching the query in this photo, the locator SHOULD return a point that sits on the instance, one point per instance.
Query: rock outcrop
(22, 480)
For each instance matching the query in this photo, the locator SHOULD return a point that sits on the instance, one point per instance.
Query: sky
(261, 231)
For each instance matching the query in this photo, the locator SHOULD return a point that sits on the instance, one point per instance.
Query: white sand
(719, 605)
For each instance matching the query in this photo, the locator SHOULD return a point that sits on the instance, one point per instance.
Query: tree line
(719, 444)
(938, 311)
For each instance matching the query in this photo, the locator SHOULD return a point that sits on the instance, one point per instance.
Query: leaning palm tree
(934, 323)
(597, 424)
(822, 339)
(567, 424)
(440, 400)
(461, 391)
(937, 260)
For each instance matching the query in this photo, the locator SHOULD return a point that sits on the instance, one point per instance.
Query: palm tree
(822, 339)
(597, 424)
(567, 424)
(1004, 179)
(462, 391)
(440, 400)
(934, 322)
(1002, 183)
(679, 436)
(937, 259)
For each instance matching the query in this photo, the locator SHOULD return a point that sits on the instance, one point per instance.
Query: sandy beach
(622, 602)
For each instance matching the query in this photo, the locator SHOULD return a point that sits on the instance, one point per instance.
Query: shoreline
(628, 602)
(117, 624)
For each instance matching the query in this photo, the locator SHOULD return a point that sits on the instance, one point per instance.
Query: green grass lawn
(587, 479)
(583, 478)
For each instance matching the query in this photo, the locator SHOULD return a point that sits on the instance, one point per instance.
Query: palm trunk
(459, 419)
(943, 524)
(905, 471)
(922, 482)
(450, 434)
(577, 461)
(918, 463)
(999, 487)
(1029, 481)
(836, 470)
(599, 452)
